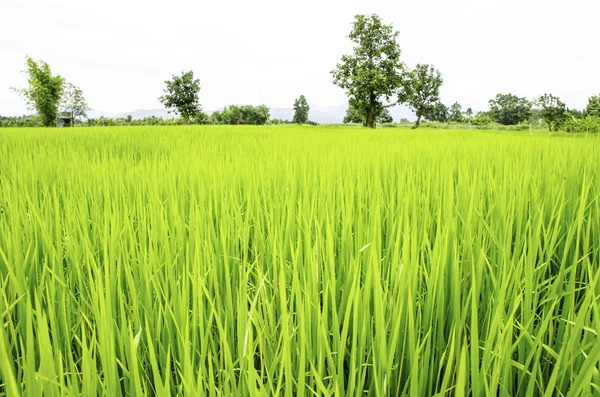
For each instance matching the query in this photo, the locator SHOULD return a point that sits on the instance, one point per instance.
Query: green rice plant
(290, 260)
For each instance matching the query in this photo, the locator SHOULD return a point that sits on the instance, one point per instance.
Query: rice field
(298, 261)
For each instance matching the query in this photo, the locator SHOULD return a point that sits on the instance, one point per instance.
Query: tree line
(373, 76)
(51, 96)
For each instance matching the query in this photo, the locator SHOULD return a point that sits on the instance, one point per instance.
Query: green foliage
(439, 113)
(424, 98)
(201, 118)
(20, 121)
(587, 124)
(482, 118)
(593, 107)
(301, 110)
(455, 113)
(552, 110)
(509, 109)
(181, 95)
(73, 102)
(354, 117)
(245, 114)
(578, 114)
(44, 91)
(298, 261)
(373, 75)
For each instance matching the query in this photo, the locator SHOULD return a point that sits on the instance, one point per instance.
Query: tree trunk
(186, 119)
(417, 124)
(371, 119)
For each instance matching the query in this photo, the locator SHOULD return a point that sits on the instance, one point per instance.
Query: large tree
(44, 91)
(509, 109)
(424, 98)
(301, 110)
(181, 95)
(73, 101)
(552, 110)
(593, 107)
(373, 75)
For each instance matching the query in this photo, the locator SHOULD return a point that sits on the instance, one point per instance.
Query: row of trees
(181, 96)
(50, 95)
(375, 78)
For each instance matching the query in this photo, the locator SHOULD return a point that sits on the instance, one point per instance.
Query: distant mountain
(96, 114)
(319, 114)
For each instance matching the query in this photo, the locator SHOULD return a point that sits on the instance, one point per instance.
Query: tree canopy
(509, 109)
(593, 107)
(373, 75)
(552, 110)
(245, 114)
(181, 95)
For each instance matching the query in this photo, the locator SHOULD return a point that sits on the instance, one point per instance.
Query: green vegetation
(73, 102)
(44, 92)
(552, 110)
(181, 95)
(373, 76)
(424, 98)
(296, 260)
(354, 117)
(301, 110)
(246, 114)
(509, 109)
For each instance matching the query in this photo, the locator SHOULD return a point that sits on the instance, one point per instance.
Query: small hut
(64, 121)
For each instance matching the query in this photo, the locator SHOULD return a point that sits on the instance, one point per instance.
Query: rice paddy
(298, 261)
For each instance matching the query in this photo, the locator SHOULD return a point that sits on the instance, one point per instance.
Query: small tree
(455, 113)
(301, 110)
(373, 75)
(425, 92)
(73, 102)
(181, 95)
(552, 110)
(509, 109)
(593, 107)
(44, 92)
(439, 113)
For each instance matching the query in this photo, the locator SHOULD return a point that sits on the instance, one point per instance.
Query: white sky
(120, 52)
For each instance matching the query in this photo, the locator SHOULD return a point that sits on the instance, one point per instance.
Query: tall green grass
(298, 261)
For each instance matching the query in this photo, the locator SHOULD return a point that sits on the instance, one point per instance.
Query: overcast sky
(271, 51)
